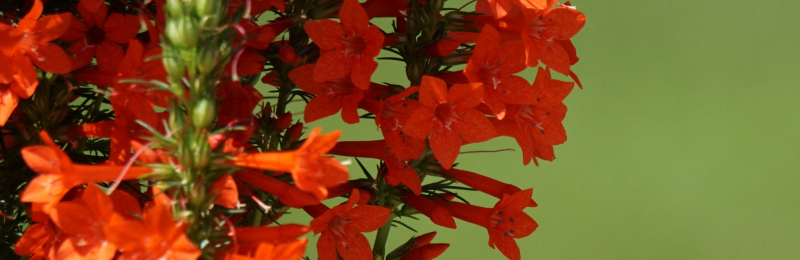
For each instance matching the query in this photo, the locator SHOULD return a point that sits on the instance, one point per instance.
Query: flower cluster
(129, 132)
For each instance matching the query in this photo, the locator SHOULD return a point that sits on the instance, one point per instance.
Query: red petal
(332, 65)
(515, 203)
(326, 247)
(476, 127)
(362, 71)
(432, 92)
(420, 123)
(353, 17)
(353, 245)
(93, 11)
(109, 56)
(465, 96)
(445, 147)
(34, 238)
(121, 28)
(52, 58)
(29, 21)
(327, 34)
(367, 218)
(320, 107)
(51, 27)
(8, 101)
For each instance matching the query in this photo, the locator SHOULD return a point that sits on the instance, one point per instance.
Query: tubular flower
(399, 171)
(281, 238)
(311, 171)
(537, 127)
(332, 95)
(341, 229)
(449, 118)
(505, 222)
(288, 194)
(494, 64)
(422, 249)
(38, 240)
(347, 48)
(544, 29)
(58, 174)
(484, 184)
(156, 236)
(99, 35)
(437, 214)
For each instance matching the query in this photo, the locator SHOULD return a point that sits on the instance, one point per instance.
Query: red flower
(391, 115)
(58, 174)
(544, 28)
(347, 48)
(422, 249)
(288, 194)
(156, 236)
(311, 171)
(37, 240)
(450, 117)
(99, 36)
(225, 189)
(281, 238)
(484, 184)
(538, 127)
(82, 221)
(399, 171)
(500, 8)
(341, 229)
(494, 64)
(332, 95)
(505, 222)
(32, 38)
(437, 214)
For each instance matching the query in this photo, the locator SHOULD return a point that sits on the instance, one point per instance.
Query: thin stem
(379, 249)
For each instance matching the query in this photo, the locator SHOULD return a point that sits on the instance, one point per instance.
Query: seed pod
(174, 66)
(175, 8)
(208, 60)
(207, 7)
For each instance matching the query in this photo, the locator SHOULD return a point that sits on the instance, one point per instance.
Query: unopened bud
(284, 121)
(455, 59)
(175, 8)
(458, 21)
(182, 32)
(208, 60)
(286, 54)
(266, 110)
(204, 113)
(174, 66)
(295, 132)
(207, 7)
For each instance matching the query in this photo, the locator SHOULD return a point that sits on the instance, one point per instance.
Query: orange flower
(311, 171)
(156, 236)
(58, 174)
(83, 221)
(24, 46)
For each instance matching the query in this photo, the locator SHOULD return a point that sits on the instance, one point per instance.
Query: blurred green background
(683, 144)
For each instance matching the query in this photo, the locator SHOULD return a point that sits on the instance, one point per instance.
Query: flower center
(445, 115)
(355, 45)
(488, 75)
(95, 35)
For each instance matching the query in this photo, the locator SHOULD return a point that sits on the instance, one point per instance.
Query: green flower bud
(208, 60)
(201, 155)
(175, 8)
(204, 113)
(182, 33)
(174, 66)
(207, 7)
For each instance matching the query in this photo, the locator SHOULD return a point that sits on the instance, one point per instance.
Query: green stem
(379, 249)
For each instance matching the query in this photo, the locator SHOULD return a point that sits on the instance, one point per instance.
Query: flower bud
(201, 155)
(207, 7)
(455, 59)
(286, 54)
(458, 21)
(414, 24)
(204, 113)
(284, 121)
(208, 60)
(175, 8)
(174, 66)
(182, 33)
(295, 132)
(266, 111)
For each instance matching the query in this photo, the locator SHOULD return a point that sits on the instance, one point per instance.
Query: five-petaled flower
(449, 118)
(350, 47)
(341, 229)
